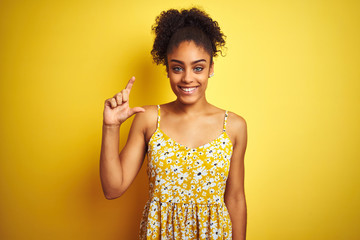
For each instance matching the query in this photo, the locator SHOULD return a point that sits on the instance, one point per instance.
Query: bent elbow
(111, 195)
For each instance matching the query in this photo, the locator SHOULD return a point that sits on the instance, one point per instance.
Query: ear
(211, 70)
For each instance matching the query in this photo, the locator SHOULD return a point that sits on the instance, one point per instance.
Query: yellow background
(291, 70)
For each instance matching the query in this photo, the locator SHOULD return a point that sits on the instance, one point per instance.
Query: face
(189, 69)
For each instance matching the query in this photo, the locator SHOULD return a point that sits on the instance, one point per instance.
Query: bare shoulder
(236, 121)
(147, 120)
(236, 128)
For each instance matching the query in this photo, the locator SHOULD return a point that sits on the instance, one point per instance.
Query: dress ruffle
(185, 221)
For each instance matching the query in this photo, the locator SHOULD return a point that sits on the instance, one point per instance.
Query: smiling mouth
(188, 89)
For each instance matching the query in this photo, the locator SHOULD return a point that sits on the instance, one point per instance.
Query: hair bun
(171, 21)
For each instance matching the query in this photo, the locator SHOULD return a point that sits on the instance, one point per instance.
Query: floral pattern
(186, 189)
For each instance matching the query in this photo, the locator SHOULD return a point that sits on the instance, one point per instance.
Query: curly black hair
(173, 27)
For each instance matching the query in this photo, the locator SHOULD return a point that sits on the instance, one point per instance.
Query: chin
(188, 100)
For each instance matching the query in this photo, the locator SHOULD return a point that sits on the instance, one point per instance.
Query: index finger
(130, 83)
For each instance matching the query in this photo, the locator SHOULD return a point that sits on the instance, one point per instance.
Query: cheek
(203, 78)
(205, 81)
(173, 82)
(205, 84)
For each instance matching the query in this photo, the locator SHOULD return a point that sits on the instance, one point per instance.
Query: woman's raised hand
(117, 109)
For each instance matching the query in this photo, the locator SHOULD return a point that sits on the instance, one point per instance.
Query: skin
(190, 120)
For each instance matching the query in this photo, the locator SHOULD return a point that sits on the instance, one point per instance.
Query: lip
(188, 89)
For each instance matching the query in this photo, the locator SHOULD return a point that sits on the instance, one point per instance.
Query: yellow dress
(186, 187)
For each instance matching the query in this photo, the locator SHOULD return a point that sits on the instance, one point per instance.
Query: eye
(198, 69)
(177, 69)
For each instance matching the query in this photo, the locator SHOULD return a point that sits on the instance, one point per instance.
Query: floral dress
(187, 188)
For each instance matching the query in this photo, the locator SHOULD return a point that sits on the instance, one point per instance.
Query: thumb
(136, 110)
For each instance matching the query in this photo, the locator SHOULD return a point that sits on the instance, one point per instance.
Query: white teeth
(188, 89)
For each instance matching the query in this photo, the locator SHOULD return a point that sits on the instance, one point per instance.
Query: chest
(167, 158)
(192, 133)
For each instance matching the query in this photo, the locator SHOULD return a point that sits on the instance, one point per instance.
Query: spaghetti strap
(225, 120)
(158, 118)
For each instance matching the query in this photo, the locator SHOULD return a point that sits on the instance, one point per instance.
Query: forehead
(188, 51)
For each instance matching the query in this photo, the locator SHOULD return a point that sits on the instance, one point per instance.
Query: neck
(191, 109)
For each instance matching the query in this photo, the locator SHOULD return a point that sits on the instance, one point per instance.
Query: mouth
(188, 90)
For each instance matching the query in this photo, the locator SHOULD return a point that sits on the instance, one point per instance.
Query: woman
(195, 150)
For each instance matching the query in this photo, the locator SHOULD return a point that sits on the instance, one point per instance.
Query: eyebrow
(181, 62)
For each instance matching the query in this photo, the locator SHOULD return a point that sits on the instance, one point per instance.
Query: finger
(125, 95)
(130, 83)
(113, 103)
(107, 102)
(136, 110)
(118, 98)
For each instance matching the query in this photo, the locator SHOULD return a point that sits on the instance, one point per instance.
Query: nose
(187, 77)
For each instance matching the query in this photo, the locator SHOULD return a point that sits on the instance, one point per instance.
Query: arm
(117, 171)
(235, 195)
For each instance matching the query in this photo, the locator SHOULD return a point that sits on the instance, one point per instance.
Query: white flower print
(153, 210)
(215, 163)
(210, 153)
(153, 159)
(213, 225)
(167, 154)
(189, 155)
(159, 180)
(220, 152)
(207, 145)
(224, 142)
(198, 162)
(176, 169)
(190, 193)
(210, 183)
(166, 189)
(206, 213)
(182, 177)
(216, 199)
(159, 144)
(215, 235)
(199, 173)
(170, 227)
